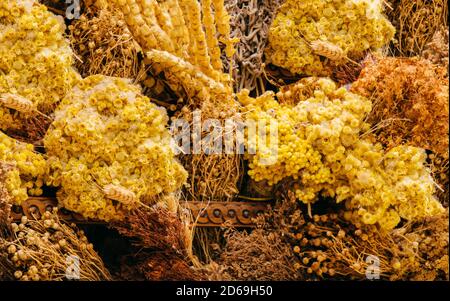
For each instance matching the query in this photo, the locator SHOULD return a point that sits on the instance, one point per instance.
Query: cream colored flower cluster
(26, 171)
(109, 143)
(35, 60)
(354, 26)
(320, 149)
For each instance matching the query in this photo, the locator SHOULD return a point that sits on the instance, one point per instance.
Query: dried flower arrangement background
(357, 89)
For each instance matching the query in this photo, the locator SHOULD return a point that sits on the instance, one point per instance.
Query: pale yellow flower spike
(137, 25)
(164, 21)
(187, 19)
(180, 30)
(223, 27)
(196, 83)
(146, 9)
(211, 39)
(200, 50)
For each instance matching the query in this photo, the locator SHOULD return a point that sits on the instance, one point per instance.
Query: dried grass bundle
(103, 45)
(153, 228)
(416, 23)
(327, 246)
(47, 249)
(157, 266)
(250, 22)
(437, 49)
(164, 240)
(260, 255)
(214, 174)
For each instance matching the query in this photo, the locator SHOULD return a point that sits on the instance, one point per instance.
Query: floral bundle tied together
(35, 60)
(348, 28)
(320, 147)
(109, 149)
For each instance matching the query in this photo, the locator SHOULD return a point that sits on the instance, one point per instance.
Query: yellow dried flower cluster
(320, 148)
(352, 26)
(107, 133)
(35, 60)
(26, 168)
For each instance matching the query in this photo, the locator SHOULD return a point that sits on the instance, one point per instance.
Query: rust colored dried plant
(436, 50)
(153, 228)
(410, 102)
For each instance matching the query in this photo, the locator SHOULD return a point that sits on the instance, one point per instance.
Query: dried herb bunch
(328, 246)
(259, 255)
(410, 102)
(6, 266)
(250, 22)
(437, 49)
(153, 227)
(164, 240)
(213, 173)
(103, 44)
(416, 22)
(47, 249)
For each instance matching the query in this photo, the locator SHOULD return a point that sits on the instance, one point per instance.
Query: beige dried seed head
(120, 194)
(328, 50)
(16, 102)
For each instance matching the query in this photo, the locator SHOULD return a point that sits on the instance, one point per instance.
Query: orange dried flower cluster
(410, 97)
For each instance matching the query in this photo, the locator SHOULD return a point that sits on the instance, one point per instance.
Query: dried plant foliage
(157, 266)
(410, 102)
(103, 45)
(262, 254)
(214, 174)
(164, 241)
(259, 255)
(6, 266)
(45, 249)
(416, 22)
(328, 246)
(153, 228)
(347, 74)
(437, 49)
(250, 22)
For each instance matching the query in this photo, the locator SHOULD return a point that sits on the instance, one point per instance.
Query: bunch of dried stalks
(437, 49)
(103, 45)
(410, 102)
(164, 239)
(416, 23)
(250, 22)
(47, 249)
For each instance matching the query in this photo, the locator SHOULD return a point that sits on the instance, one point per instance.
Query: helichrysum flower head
(319, 147)
(35, 59)
(26, 168)
(106, 132)
(353, 26)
